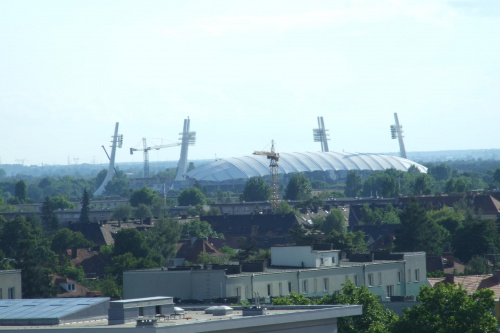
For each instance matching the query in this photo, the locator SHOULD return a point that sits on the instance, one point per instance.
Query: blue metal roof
(47, 311)
(257, 165)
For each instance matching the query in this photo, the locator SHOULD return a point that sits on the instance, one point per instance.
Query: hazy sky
(245, 72)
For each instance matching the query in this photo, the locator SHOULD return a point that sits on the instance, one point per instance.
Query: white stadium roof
(258, 165)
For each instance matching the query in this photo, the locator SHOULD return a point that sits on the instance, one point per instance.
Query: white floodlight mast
(187, 139)
(320, 135)
(397, 131)
(117, 141)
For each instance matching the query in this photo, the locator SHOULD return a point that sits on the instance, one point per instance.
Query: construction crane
(146, 150)
(273, 168)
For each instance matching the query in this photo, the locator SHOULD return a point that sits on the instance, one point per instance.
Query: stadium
(334, 166)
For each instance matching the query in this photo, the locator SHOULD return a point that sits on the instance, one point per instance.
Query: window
(1, 293)
(269, 290)
(141, 312)
(356, 280)
(158, 309)
(315, 285)
(417, 275)
(346, 278)
(304, 286)
(370, 279)
(280, 288)
(71, 287)
(399, 277)
(12, 293)
(238, 291)
(379, 278)
(289, 287)
(390, 291)
(326, 284)
(321, 262)
(409, 275)
(333, 260)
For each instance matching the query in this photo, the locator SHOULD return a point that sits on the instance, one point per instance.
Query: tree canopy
(447, 308)
(144, 195)
(191, 196)
(256, 189)
(298, 188)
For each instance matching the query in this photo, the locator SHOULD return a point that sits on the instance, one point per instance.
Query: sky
(246, 73)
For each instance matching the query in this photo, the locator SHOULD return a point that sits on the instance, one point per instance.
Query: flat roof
(51, 311)
(195, 320)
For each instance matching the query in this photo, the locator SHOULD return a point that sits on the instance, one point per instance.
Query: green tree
(256, 189)
(349, 242)
(353, 184)
(119, 185)
(59, 202)
(65, 239)
(130, 240)
(122, 213)
(198, 229)
(50, 221)
(447, 308)
(144, 195)
(84, 212)
(142, 212)
(163, 237)
(375, 319)
(439, 172)
(298, 188)
(292, 299)
(335, 220)
(418, 232)
(474, 238)
(191, 196)
(21, 191)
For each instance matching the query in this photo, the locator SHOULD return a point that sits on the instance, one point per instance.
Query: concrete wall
(202, 284)
(10, 283)
(303, 256)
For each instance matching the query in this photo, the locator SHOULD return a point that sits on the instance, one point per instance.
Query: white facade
(10, 284)
(385, 278)
(303, 256)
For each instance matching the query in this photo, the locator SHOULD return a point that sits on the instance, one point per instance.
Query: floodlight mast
(397, 132)
(320, 135)
(187, 138)
(116, 142)
(273, 170)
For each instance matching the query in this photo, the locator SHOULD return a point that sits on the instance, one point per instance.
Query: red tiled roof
(471, 283)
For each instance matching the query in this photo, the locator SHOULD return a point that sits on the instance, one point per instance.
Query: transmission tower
(273, 169)
(320, 135)
(397, 132)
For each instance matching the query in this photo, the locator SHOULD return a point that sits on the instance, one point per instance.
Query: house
(303, 269)
(190, 249)
(69, 288)
(471, 283)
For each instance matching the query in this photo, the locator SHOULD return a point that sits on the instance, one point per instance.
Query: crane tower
(320, 135)
(397, 132)
(273, 169)
(146, 150)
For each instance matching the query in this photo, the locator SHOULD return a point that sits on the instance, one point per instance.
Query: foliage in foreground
(447, 308)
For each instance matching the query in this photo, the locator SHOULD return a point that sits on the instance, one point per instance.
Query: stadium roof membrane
(258, 165)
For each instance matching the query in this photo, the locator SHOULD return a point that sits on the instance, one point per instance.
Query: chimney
(449, 278)
(496, 276)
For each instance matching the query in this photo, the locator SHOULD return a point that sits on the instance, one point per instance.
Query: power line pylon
(273, 169)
